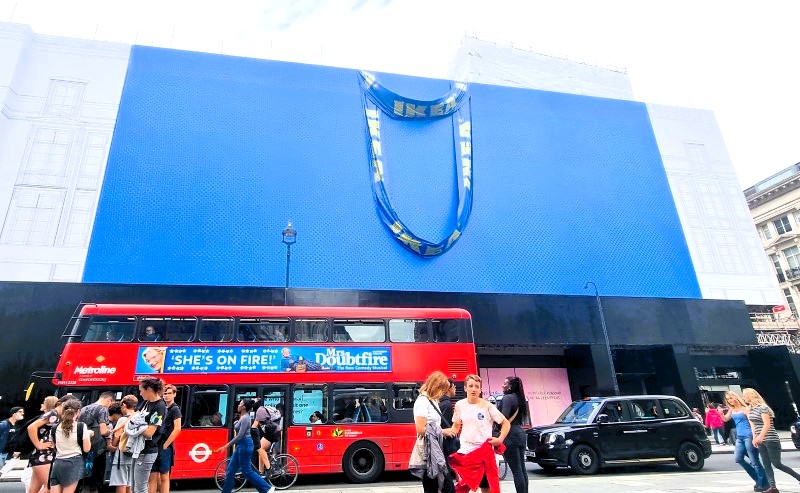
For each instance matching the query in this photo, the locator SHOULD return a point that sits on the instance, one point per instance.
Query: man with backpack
(268, 418)
(9, 430)
(96, 418)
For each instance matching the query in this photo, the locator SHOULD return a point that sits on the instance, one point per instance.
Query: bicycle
(282, 472)
(502, 467)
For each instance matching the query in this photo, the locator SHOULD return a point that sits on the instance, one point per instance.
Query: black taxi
(620, 430)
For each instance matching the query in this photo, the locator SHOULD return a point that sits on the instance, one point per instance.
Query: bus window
(360, 404)
(167, 329)
(308, 399)
(408, 330)
(359, 331)
(404, 395)
(209, 407)
(216, 329)
(308, 330)
(263, 330)
(106, 329)
(445, 330)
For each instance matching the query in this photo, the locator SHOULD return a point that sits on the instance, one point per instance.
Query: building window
(777, 263)
(765, 232)
(80, 220)
(47, 161)
(716, 211)
(787, 293)
(697, 156)
(64, 98)
(792, 255)
(94, 157)
(782, 225)
(33, 217)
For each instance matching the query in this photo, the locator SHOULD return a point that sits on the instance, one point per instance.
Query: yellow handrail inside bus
(28, 391)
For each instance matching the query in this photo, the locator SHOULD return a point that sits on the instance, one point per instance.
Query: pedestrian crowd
(70, 444)
(748, 423)
(457, 442)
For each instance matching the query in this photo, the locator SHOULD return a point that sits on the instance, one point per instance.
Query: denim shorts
(165, 460)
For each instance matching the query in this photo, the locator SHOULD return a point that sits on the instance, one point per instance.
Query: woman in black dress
(515, 409)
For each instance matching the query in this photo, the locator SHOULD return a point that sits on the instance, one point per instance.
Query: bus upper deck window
(154, 329)
(106, 329)
(445, 330)
(307, 330)
(359, 331)
(216, 329)
(408, 330)
(263, 330)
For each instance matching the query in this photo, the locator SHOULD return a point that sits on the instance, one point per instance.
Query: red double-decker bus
(359, 367)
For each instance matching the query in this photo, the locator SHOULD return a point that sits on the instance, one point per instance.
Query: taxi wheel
(584, 460)
(690, 457)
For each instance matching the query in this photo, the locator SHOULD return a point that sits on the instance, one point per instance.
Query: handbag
(450, 445)
(418, 459)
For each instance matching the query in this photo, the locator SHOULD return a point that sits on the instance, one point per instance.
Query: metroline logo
(95, 370)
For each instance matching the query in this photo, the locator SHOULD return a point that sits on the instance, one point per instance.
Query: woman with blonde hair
(737, 412)
(427, 414)
(765, 437)
(43, 453)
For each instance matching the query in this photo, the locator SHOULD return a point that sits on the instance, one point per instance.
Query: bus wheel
(363, 462)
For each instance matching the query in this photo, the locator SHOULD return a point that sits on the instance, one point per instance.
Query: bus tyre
(363, 462)
(690, 457)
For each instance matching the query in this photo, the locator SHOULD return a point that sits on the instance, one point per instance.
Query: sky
(739, 59)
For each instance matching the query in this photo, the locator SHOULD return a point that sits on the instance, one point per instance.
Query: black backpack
(88, 457)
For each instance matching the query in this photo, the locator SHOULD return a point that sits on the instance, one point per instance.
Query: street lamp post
(605, 335)
(289, 238)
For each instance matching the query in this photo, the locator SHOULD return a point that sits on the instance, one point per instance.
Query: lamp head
(289, 235)
(586, 286)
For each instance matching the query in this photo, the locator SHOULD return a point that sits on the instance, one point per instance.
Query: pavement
(786, 445)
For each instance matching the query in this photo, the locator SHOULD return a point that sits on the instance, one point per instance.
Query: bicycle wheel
(219, 476)
(502, 469)
(283, 471)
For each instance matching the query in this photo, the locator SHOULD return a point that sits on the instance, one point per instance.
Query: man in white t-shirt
(474, 417)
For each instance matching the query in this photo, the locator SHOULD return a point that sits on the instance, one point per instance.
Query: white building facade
(60, 98)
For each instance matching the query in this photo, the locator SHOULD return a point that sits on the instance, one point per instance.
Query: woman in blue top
(243, 454)
(737, 411)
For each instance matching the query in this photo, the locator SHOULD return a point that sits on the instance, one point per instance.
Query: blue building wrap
(212, 154)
